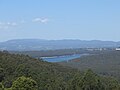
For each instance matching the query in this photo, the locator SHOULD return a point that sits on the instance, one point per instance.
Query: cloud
(13, 24)
(41, 20)
(7, 25)
(37, 20)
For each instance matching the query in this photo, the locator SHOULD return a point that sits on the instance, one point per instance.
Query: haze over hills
(39, 44)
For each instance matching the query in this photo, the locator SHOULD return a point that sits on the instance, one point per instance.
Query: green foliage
(91, 81)
(1, 86)
(110, 83)
(1, 74)
(88, 81)
(45, 74)
(15, 70)
(104, 63)
(23, 83)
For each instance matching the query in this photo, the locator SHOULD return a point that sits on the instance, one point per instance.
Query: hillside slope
(107, 63)
(15, 68)
(43, 72)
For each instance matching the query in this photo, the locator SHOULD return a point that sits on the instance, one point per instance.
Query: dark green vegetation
(105, 63)
(20, 72)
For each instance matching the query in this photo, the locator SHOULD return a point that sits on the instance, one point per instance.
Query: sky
(60, 19)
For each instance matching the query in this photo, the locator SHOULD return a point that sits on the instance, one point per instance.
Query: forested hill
(20, 72)
(46, 74)
(107, 63)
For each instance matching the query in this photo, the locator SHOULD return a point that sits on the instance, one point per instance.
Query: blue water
(62, 58)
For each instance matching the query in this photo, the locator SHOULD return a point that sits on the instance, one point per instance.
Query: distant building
(118, 49)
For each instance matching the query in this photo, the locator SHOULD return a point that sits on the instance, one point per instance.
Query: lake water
(62, 58)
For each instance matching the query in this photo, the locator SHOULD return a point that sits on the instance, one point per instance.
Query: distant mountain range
(38, 44)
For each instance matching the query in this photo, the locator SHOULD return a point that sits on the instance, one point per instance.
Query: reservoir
(62, 58)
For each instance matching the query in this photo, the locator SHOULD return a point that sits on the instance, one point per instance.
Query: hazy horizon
(57, 20)
(55, 39)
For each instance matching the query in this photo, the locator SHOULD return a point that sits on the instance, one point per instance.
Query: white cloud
(37, 20)
(13, 24)
(45, 20)
(41, 20)
(7, 25)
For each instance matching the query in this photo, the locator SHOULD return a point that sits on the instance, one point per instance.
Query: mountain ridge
(42, 44)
